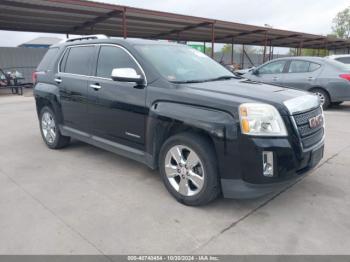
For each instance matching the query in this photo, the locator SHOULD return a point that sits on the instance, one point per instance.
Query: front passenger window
(111, 57)
(273, 68)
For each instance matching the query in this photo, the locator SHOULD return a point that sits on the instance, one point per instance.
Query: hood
(244, 90)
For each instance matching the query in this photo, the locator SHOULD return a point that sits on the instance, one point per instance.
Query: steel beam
(305, 41)
(242, 34)
(95, 21)
(273, 39)
(186, 28)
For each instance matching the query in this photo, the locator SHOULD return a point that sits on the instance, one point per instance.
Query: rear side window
(345, 60)
(111, 57)
(314, 67)
(299, 67)
(77, 61)
(48, 60)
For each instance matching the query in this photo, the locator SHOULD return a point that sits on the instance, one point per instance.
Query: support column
(301, 47)
(242, 57)
(125, 32)
(232, 53)
(212, 39)
(204, 43)
(265, 45)
(67, 35)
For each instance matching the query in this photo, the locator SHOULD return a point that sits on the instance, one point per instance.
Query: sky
(307, 16)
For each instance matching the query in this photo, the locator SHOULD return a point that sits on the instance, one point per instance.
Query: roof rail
(87, 37)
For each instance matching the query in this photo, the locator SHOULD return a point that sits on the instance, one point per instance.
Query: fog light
(268, 163)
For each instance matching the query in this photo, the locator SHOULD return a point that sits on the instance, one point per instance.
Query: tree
(341, 24)
(309, 52)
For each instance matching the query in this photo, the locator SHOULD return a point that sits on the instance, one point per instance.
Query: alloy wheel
(321, 97)
(184, 170)
(48, 127)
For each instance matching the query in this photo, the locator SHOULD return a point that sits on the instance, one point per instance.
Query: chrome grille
(309, 136)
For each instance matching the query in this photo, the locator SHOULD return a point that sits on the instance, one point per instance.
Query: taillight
(34, 78)
(345, 76)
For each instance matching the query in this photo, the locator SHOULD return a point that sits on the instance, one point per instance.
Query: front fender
(219, 125)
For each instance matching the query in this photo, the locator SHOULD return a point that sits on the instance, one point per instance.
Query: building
(41, 42)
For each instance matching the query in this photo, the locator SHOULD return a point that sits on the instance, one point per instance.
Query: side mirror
(126, 75)
(255, 72)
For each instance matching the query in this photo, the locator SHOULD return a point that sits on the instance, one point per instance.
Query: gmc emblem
(316, 121)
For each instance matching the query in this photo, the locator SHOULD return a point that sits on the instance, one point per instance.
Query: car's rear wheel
(323, 96)
(50, 131)
(188, 167)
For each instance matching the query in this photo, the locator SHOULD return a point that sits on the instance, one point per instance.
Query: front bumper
(290, 163)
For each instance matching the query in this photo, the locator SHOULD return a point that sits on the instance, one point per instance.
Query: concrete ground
(83, 200)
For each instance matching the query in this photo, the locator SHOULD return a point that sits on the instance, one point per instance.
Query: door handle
(95, 86)
(58, 80)
(275, 78)
(310, 78)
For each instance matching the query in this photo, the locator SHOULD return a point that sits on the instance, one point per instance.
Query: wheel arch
(47, 95)
(322, 88)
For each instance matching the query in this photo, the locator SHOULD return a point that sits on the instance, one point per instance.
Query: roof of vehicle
(336, 56)
(308, 58)
(113, 40)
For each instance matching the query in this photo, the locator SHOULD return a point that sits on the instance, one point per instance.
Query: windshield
(180, 63)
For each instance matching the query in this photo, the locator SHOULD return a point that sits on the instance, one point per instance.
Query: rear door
(72, 79)
(301, 74)
(117, 109)
(271, 73)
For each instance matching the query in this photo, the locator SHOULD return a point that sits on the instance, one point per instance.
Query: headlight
(261, 120)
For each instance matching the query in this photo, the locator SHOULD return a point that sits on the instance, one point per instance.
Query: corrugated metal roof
(86, 17)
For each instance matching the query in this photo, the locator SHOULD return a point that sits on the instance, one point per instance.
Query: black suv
(171, 107)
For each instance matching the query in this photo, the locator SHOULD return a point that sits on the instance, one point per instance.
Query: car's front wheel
(50, 131)
(188, 167)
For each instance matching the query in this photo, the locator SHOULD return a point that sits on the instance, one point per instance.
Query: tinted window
(345, 60)
(78, 60)
(314, 67)
(273, 68)
(48, 60)
(111, 57)
(299, 67)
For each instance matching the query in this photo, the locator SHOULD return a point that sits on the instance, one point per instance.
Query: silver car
(345, 59)
(327, 78)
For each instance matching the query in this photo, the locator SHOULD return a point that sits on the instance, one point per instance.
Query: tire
(50, 131)
(324, 97)
(337, 103)
(198, 183)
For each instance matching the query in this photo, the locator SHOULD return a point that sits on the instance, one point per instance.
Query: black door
(117, 109)
(73, 80)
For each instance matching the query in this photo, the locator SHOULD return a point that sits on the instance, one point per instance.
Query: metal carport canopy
(85, 17)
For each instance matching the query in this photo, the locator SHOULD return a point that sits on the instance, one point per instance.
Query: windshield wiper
(206, 80)
(188, 81)
(223, 78)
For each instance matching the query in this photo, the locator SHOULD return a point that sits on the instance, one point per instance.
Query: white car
(345, 59)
